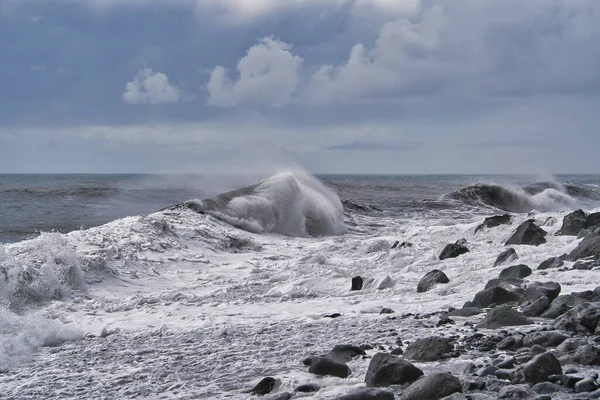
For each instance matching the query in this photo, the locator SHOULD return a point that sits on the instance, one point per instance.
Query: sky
(330, 86)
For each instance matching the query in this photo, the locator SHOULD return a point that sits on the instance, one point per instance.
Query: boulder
(564, 303)
(326, 366)
(265, 386)
(433, 387)
(571, 345)
(546, 388)
(428, 349)
(586, 385)
(528, 233)
(385, 370)
(515, 272)
(308, 388)
(357, 283)
(536, 308)
(465, 312)
(510, 284)
(593, 221)
(589, 247)
(431, 279)
(582, 318)
(544, 338)
(536, 290)
(345, 352)
(540, 368)
(516, 392)
(368, 394)
(573, 223)
(453, 250)
(503, 316)
(552, 262)
(495, 295)
(507, 256)
(587, 354)
(494, 221)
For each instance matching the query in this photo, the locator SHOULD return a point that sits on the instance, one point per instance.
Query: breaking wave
(290, 203)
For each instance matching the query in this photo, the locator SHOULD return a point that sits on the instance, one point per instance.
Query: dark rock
(265, 386)
(495, 295)
(540, 368)
(536, 308)
(326, 366)
(586, 355)
(386, 311)
(309, 360)
(368, 394)
(308, 388)
(406, 244)
(510, 284)
(564, 303)
(515, 392)
(542, 397)
(503, 316)
(396, 243)
(334, 315)
(508, 255)
(455, 396)
(494, 221)
(465, 312)
(397, 351)
(428, 349)
(357, 283)
(433, 387)
(544, 338)
(503, 374)
(535, 290)
(507, 363)
(345, 352)
(431, 279)
(386, 369)
(589, 247)
(516, 272)
(571, 345)
(528, 233)
(452, 251)
(444, 320)
(583, 318)
(573, 223)
(546, 388)
(593, 220)
(552, 262)
(282, 396)
(490, 370)
(537, 349)
(585, 385)
(585, 265)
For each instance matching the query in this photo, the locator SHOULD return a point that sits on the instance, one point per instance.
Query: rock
(433, 387)
(465, 312)
(455, 396)
(573, 223)
(386, 311)
(396, 243)
(334, 315)
(528, 233)
(308, 388)
(368, 394)
(345, 352)
(282, 396)
(585, 265)
(494, 221)
(452, 251)
(510, 284)
(503, 316)
(583, 318)
(495, 295)
(431, 279)
(536, 308)
(589, 247)
(428, 349)
(544, 338)
(516, 272)
(515, 392)
(587, 354)
(540, 368)
(535, 290)
(508, 255)
(265, 386)
(385, 370)
(357, 283)
(585, 385)
(552, 262)
(326, 366)
(546, 388)
(593, 221)
(570, 345)
(564, 303)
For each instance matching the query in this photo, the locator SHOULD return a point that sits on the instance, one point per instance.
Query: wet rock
(396, 243)
(453, 250)
(571, 345)
(503, 316)
(583, 318)
(593, 221)
(386, 370)
(282, 396)
(431, 279)
(428, 349)
(586, 355)
(552, 262)
(528, 233)
(334, 315)
(508, 255)
(357, 283)
(589, 247)
(573, 223)
(586, 385)
(308, 388)
(368, 394)
(465, 312)
(535, 290)
(516, 392)
(510, 284)
(544, 338)
(546, 388)
(495, 295)
(326, 366)
(345, 352)
(564, 303)
(585, 265)
(386, 311)
(492, 222)
(540, 368)
(433, 387)
(265, 386)
(515, 272)
(536, 308)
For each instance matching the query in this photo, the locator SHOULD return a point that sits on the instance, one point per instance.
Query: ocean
(192, 286)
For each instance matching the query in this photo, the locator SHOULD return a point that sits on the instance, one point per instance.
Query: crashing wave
(290, 203)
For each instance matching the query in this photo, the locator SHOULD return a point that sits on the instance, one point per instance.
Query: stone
(587, 354)
(453, 250)
(503, 316)
(368, 394)
(357, 283)
(552, 262)
(586, 385)
(385, 370)
(571, 345)
(431, 279)
(536, 308)
(326, 366)
(510, 284)
(535, 290)
(540, 368)
(515, 272)
(345, 352)
(515, 392)
(544, 338)
(386, 311)
(308, 388)
(265, 386)
(465, 312)
(593, 221)
(282, 396)
(546, 388)
(589, 247)
(433, 387)
(428, 349)
(507, 256)
(583, 318)
(573, 223)
(564, 303)
(492, 222)
(495, 295)
(528, 233)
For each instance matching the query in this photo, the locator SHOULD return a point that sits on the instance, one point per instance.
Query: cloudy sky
(333, 86)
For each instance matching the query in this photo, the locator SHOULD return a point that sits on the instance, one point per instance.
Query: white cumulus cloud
(149, 87)
(268, 76)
